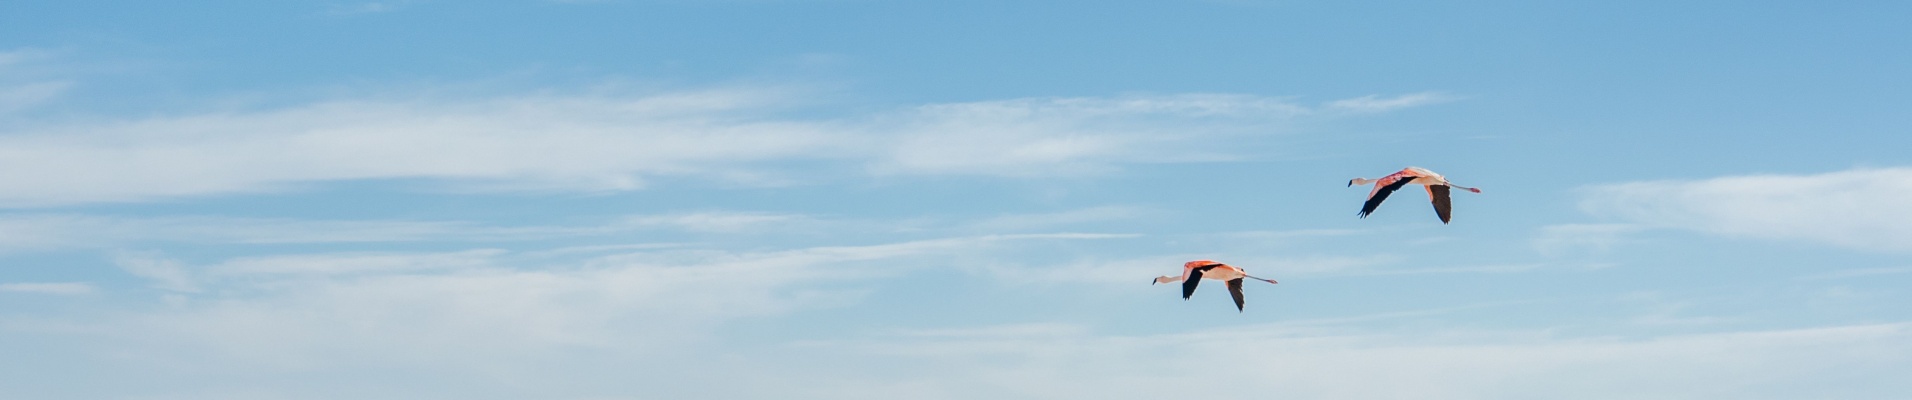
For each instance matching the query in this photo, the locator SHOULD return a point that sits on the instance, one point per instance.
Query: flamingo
(1435, 183)
(1194, 271)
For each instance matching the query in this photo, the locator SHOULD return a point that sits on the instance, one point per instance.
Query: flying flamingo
(1435, 183)
(1194, 271)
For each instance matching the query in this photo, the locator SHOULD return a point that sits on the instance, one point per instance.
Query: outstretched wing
(1194, 278)
(1443, 206)
(1382, 189)
(1234, 289)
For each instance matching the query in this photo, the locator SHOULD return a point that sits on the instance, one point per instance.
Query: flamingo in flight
(1194, 271)
(1435, 183)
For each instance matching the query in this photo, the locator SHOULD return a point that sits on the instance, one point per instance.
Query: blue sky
(880, 199)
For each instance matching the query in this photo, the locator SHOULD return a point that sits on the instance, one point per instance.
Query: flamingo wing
(1443, 206)
(1234, 290)
(1194, 278)
(1382, 189)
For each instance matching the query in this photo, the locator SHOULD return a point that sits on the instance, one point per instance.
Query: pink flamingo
(1435, 183)
(1194, 271)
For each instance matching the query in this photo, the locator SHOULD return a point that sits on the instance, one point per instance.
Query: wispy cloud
(1044, 360)
(555, 319)
(1860, 208)
(33, 231)
(351, 263)
(165, 273)
(1859, 272)
(574, 143)
(16, 97)
(20, 87)
(60, 231)
(1065, 136)
(58, 288)
(611, 143)
(1376, 103)
(315, 310)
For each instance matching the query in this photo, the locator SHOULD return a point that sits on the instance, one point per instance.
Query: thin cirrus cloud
(22, 85)
(30, 232)
(1375, 103)
(54, 288)
(39, 232)
(1050, 360)
(1858, 208)
(380, 310)
(617, 143)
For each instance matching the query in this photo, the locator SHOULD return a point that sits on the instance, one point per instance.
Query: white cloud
(59, 288)
(32, 231)
(1860, 208)
(611, 143)
(1376, 104)
(21, 96)
(1067, 136)
(1048, 361)
(1859, 272)
(57, 231)
(577, 143)
(165, 273)
(496, 324)
(290, 314)
(351, 263)
(22, 85)
(299, 311)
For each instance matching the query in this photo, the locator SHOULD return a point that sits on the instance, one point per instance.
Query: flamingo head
(1475, 190)
(1164, 279)
(1359, 181)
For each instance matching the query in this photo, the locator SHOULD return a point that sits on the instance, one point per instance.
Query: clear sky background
(844, 199)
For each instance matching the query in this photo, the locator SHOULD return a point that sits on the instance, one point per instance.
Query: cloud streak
(1044, 360)
(477, 311)
(1376, 104)
(48, 231)
(615, 143)
(54, 288)
(23, 85)
(1859, 209)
